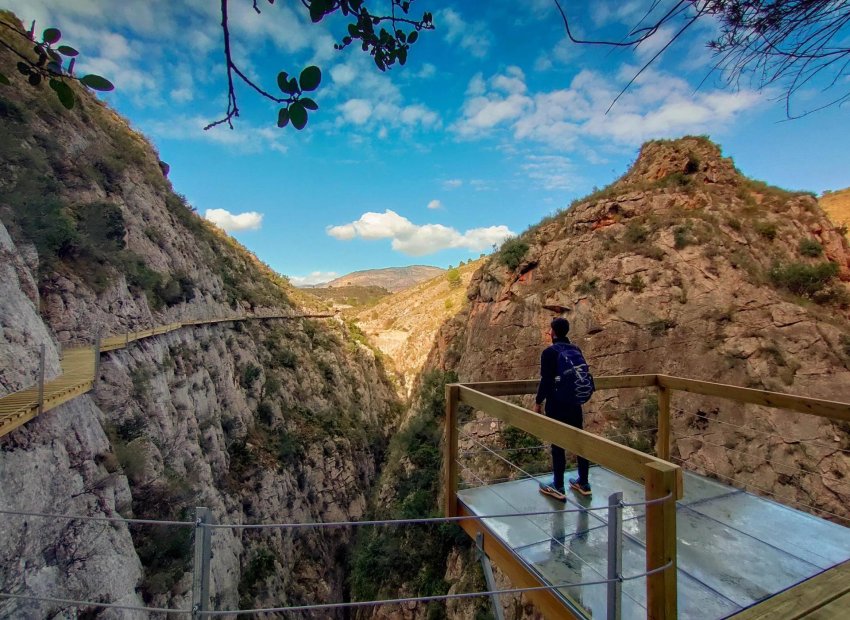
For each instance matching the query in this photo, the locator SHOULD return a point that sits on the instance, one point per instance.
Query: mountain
(682, 266)
(391, 278)
(273, 421)
(403, 325)
(837, 207)
(349, 297)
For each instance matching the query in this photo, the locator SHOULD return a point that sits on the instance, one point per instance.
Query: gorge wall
(275, 421)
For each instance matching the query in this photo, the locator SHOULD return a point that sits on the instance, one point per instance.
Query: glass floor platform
(735, 549)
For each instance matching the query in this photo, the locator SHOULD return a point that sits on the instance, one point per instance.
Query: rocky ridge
(404, 324)
(393, 279)
(686, 267)
(277, 421)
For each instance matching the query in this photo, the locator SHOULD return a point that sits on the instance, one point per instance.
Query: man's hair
(561, 327)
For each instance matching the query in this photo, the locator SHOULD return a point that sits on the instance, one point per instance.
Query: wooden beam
(616, 457)
(546, 601)
(661, 593)
(662, 444)
(529, 386)
(804, 599)
(803, 404)
(450, 449)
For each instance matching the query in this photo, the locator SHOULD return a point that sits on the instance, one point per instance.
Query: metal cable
(753, 430)
(100, 519)
(66, 601)
(763, 460)
(780, 501)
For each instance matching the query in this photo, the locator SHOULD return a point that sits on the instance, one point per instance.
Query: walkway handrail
(662, 480)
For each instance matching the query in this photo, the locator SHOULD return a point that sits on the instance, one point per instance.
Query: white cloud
(245, 138)
(552, 172)
(234, 222)
(418, 240)
(452, 183)
(356, 111)
(435, 204)
(315, 277)
(473, 37)
(657, 105)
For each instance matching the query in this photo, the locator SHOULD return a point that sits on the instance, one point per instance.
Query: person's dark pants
(571, 415)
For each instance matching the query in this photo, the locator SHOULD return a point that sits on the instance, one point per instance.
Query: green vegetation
(766, 229)
(386, 558)
(637, 285)
(453, 277)
(635, 425)
(682, 236)
(249, 375)
(810, 247)
(352, 295)
(260, 568)
(804, 280)
(512, 252)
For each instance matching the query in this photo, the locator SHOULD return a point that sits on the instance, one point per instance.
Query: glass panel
(815, 540)
(738, 566)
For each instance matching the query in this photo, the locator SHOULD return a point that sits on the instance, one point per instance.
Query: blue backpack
(573, 382)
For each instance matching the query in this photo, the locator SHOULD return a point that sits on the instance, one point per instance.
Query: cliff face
(276, 421)
(837, 206)
(404, 324)
(683, 267)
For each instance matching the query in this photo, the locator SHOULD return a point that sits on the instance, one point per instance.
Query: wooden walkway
(78, 370)
(825, 597)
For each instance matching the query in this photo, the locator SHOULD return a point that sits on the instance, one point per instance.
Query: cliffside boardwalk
(79, 369)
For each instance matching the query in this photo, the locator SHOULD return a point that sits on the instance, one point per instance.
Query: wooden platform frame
(659, 477)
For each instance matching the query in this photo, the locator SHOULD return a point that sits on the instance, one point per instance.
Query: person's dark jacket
(548, 372)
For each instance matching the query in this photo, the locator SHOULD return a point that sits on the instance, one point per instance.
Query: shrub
(249, 375)
(449, 304)
(801, 279)
(692, 165)
(681, 237)
(637, 285)
(635, 233)
(587, 287)
(453, 278)
(657, 328)
(512, 252)
(766, 230)
(810, 247)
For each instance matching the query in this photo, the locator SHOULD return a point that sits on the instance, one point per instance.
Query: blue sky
(495, 122)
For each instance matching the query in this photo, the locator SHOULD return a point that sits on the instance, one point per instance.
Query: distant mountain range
(392, 279)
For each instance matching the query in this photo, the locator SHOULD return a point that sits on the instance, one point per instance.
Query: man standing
(561, 405)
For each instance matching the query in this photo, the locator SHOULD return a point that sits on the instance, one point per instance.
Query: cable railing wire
(47, 515)
(78, 603)
(775, 464)
(780, 500)
(766, 433)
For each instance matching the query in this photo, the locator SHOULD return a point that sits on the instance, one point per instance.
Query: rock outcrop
(275, 421)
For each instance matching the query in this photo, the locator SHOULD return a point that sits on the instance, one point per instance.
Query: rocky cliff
(837, 206)
(275, 421)
(404, 324)
(686, 267)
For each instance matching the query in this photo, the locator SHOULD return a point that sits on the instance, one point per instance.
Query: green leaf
(34, 79)
(4, 80)
(411, 38)
(51, 35)
(298, 115)
(309, 103)
(282, 117)
(64, 92)
(283, 81)
(310, 78)
(24, 68)
(97, 82)
(67, 50)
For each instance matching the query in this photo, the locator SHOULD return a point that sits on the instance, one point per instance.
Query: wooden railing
(659, 477)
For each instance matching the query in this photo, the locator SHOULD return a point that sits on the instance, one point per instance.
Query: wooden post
(662, 443)
(450, 449)
(661, 593)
